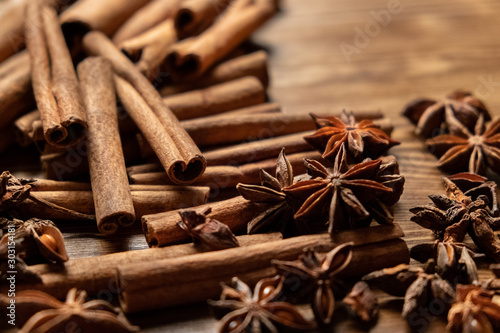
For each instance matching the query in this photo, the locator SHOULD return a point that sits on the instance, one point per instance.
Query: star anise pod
(454, 215)
(17, 264)
(35, 238)
(47, 314)
(363, 139)
(351, 196)
(474, 185)
(474, 311)
(423, 292)
(316, 278)
(362, 303)
(430, 115)
(211, 233)
(394, 280)
(257, 312)
(453, 260)
(279, 215)
(463, 150)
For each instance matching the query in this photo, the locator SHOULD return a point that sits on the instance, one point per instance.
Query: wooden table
(320, 60)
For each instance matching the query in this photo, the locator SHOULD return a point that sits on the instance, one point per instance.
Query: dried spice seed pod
(279, 215)
(50, 243)
(474, 310)
(317, 278)
(257, 311)
(362, 303)
(213, 234)
(361, 140)
(474, 151)
(47, 314)
(395, 280)
(351, 196)
(430, 116)
(454, 215)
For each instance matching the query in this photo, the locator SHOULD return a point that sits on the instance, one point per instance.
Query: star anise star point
(363, 139)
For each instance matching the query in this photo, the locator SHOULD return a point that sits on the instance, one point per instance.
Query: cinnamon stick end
(182, 174)
(109, 224)
(184, 67)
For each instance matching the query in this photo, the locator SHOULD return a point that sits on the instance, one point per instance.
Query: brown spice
(192, 57)
(176, 150)
(55, 85)
(108, 176)
(194, 16)
(253, 64)
(190, 279)
(146, 18)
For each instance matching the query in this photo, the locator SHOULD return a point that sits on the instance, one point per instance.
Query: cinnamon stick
(146, 18)
(161, 229)
(12, 28)
(174, 147)
(243, 153)
(72, 162)
(192, 57)
(102, 15)
(195, 15)
(190, 279)
(16, 93)
(229, 129)
(150, 48)
(96, 275)
(220, 98)
(226, 176)
(108, 176)
(28, 128)
(253, 64)
(55, 85)
(145, 202)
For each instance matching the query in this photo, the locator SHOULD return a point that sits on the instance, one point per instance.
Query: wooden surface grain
(427, 49)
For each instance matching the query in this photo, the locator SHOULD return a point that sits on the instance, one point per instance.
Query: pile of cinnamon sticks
(192, 119)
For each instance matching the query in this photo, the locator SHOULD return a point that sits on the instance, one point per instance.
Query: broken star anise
(363, 139)
(348, 196)
(430, 116)
(257, 312)
(211, 233)
(463, 150)
(474, 311)
(314, 280)
(36, 238)
(47, 314)
(279, 215)
(454, 215)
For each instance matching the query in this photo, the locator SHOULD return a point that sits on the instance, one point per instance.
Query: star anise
(394, 280)
(350, 196)
(363, 139)
(47, 314)
(316, 278)
(453, 260)
(211, 233)
(279, 215)
(474, 185)
(362, 303)
(35, 238)
(17, 264)
(474, 311)
(15, 190)
(454, 215)
(430, 115)
(466, 150)
(259, 312)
